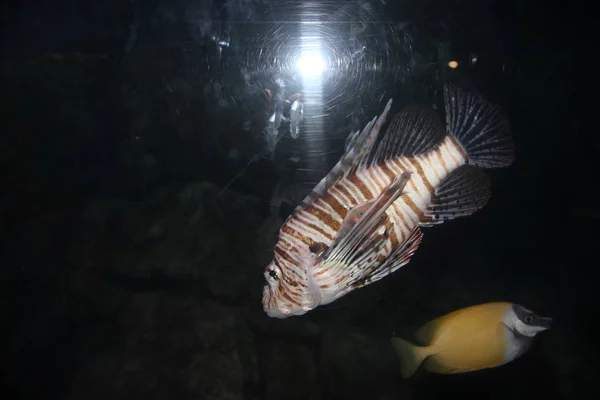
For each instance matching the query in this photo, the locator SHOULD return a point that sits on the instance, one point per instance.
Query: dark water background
(140, 198)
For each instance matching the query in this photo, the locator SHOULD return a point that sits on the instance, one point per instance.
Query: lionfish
(363, 220)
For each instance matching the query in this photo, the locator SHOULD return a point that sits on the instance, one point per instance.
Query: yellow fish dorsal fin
(428, 333)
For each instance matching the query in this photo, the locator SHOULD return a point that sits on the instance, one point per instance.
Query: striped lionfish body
(363, 220)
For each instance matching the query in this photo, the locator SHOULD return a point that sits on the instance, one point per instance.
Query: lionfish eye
(528, 319)
(273, 274)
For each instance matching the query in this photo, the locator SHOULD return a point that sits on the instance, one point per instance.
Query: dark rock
(290, 370)
(172, 347)
(196, 235)
(359, 365)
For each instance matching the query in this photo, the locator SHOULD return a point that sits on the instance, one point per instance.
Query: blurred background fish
(296, 114)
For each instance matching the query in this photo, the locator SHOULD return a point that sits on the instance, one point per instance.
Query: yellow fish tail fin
(411, 356)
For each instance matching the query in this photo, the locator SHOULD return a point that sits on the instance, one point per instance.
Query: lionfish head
(283, 296)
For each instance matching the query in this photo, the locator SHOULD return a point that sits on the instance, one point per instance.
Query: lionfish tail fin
(481, 128)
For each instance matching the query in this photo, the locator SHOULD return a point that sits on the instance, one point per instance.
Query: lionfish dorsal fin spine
(414, 130)
(356, 155)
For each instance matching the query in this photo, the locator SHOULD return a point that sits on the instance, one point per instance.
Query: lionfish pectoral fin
(358, 149)
(399, 257)
(464, 191)
(360, 223)
(316, 296)
(358, 263)
(352, 218)
(364, 269)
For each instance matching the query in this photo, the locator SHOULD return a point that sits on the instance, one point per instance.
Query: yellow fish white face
(521, 326)
(526, 323)
(474, 338)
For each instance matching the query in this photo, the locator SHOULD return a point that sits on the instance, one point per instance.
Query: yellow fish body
(470, 339)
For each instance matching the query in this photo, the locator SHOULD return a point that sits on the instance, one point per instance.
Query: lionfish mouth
(272, 307)
(266, 297)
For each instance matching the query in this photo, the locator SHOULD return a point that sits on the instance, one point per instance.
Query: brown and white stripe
(314, 228)
(437, 185)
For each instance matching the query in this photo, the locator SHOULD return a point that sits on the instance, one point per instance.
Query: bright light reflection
(311, 64)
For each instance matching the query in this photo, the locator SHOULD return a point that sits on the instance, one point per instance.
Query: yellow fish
(470, 339)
